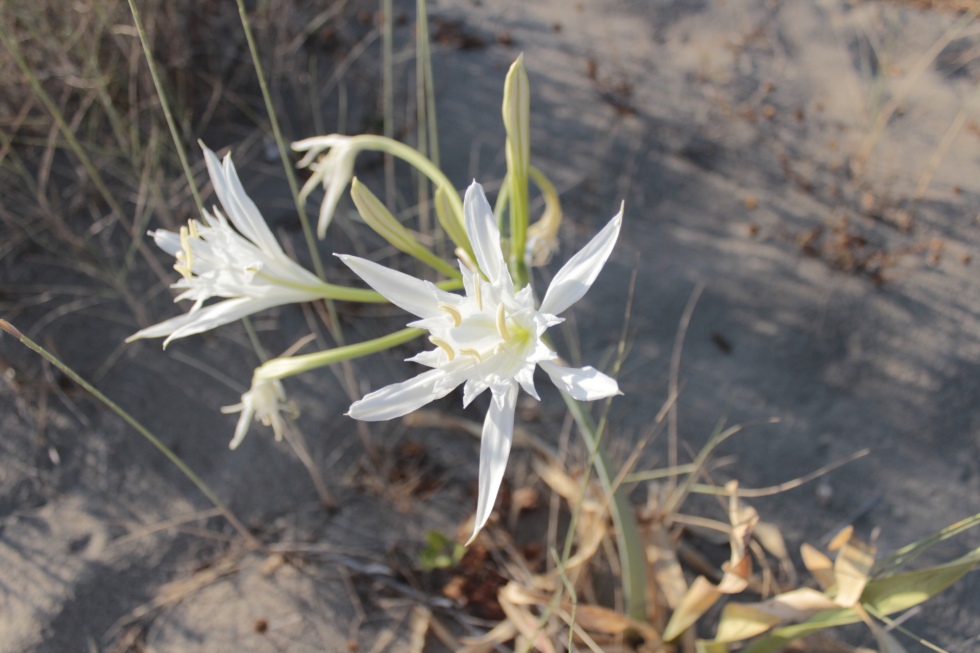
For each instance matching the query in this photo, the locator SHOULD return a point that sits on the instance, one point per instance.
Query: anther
(443, 345)
(184, 263)
(502, 322)
(453, 313)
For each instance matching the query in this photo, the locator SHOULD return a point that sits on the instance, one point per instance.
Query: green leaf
(903, 591)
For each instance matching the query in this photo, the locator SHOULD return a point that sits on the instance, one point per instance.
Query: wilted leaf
(513, 602)
(666, 569)
(820, 566)
(851, 569)
(499, 634)
(743, 620)
(597, 619)
(771, 539)
(702, 595)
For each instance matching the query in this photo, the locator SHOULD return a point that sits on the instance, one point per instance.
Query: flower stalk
(340, 175)
(517, 123)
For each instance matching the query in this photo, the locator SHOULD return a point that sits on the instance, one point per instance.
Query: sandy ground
(842, 302)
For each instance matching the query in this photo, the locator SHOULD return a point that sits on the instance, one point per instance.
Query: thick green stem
(280, 368)
(632, 558)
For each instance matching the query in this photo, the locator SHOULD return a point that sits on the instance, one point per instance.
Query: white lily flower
(264, 402)
(491, 337)
(334, 170)
(247, 266)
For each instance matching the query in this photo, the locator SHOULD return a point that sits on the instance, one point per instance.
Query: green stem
(162, 96)
(632, 558)
(280, 368)
(142, 430)
(280, 142)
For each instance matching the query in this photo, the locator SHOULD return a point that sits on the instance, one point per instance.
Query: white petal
(207, 318)
(576, 276)
(474, 388)
(237, 204)
(484, 235)
(340, 177)
(244, 421)
(400, 398)
(526, 378)
(498, 431)
(406, 292)
(168, 241)
(582, 383)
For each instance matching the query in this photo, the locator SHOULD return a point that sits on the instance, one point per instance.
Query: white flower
(263, 401)
(491, 337)
(247, 267)
(334, 170)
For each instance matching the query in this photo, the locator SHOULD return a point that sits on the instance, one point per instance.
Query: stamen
(184, 263)
(469, 351)
(443, 345)
(453, 313)
(502, 322)
(476, 291)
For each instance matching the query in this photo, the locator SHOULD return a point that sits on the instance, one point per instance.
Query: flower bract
(491, 337)
(231, 255)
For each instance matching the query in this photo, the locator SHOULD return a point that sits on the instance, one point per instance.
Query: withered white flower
(264, 401)
(491, 337)
(235, 257)
(334, 170)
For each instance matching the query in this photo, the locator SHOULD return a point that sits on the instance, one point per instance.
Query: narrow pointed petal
(244, 422)
(208, 317)
(406, 292)
(582, 383)
(247, 211)
(498, 432)
(239, 207)
(400, 398)
(484, 235)
(577, 275)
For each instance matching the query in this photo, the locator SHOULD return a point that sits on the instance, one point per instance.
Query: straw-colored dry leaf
(566, 487)
(743, 620)
(514, 601)
(702, 594)
(699, 597)
(666, 569)
(421, 618)
(597, 619)
(820, 566)
(771, 539)
(851, 569)
(842, 538)
(497, 636)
